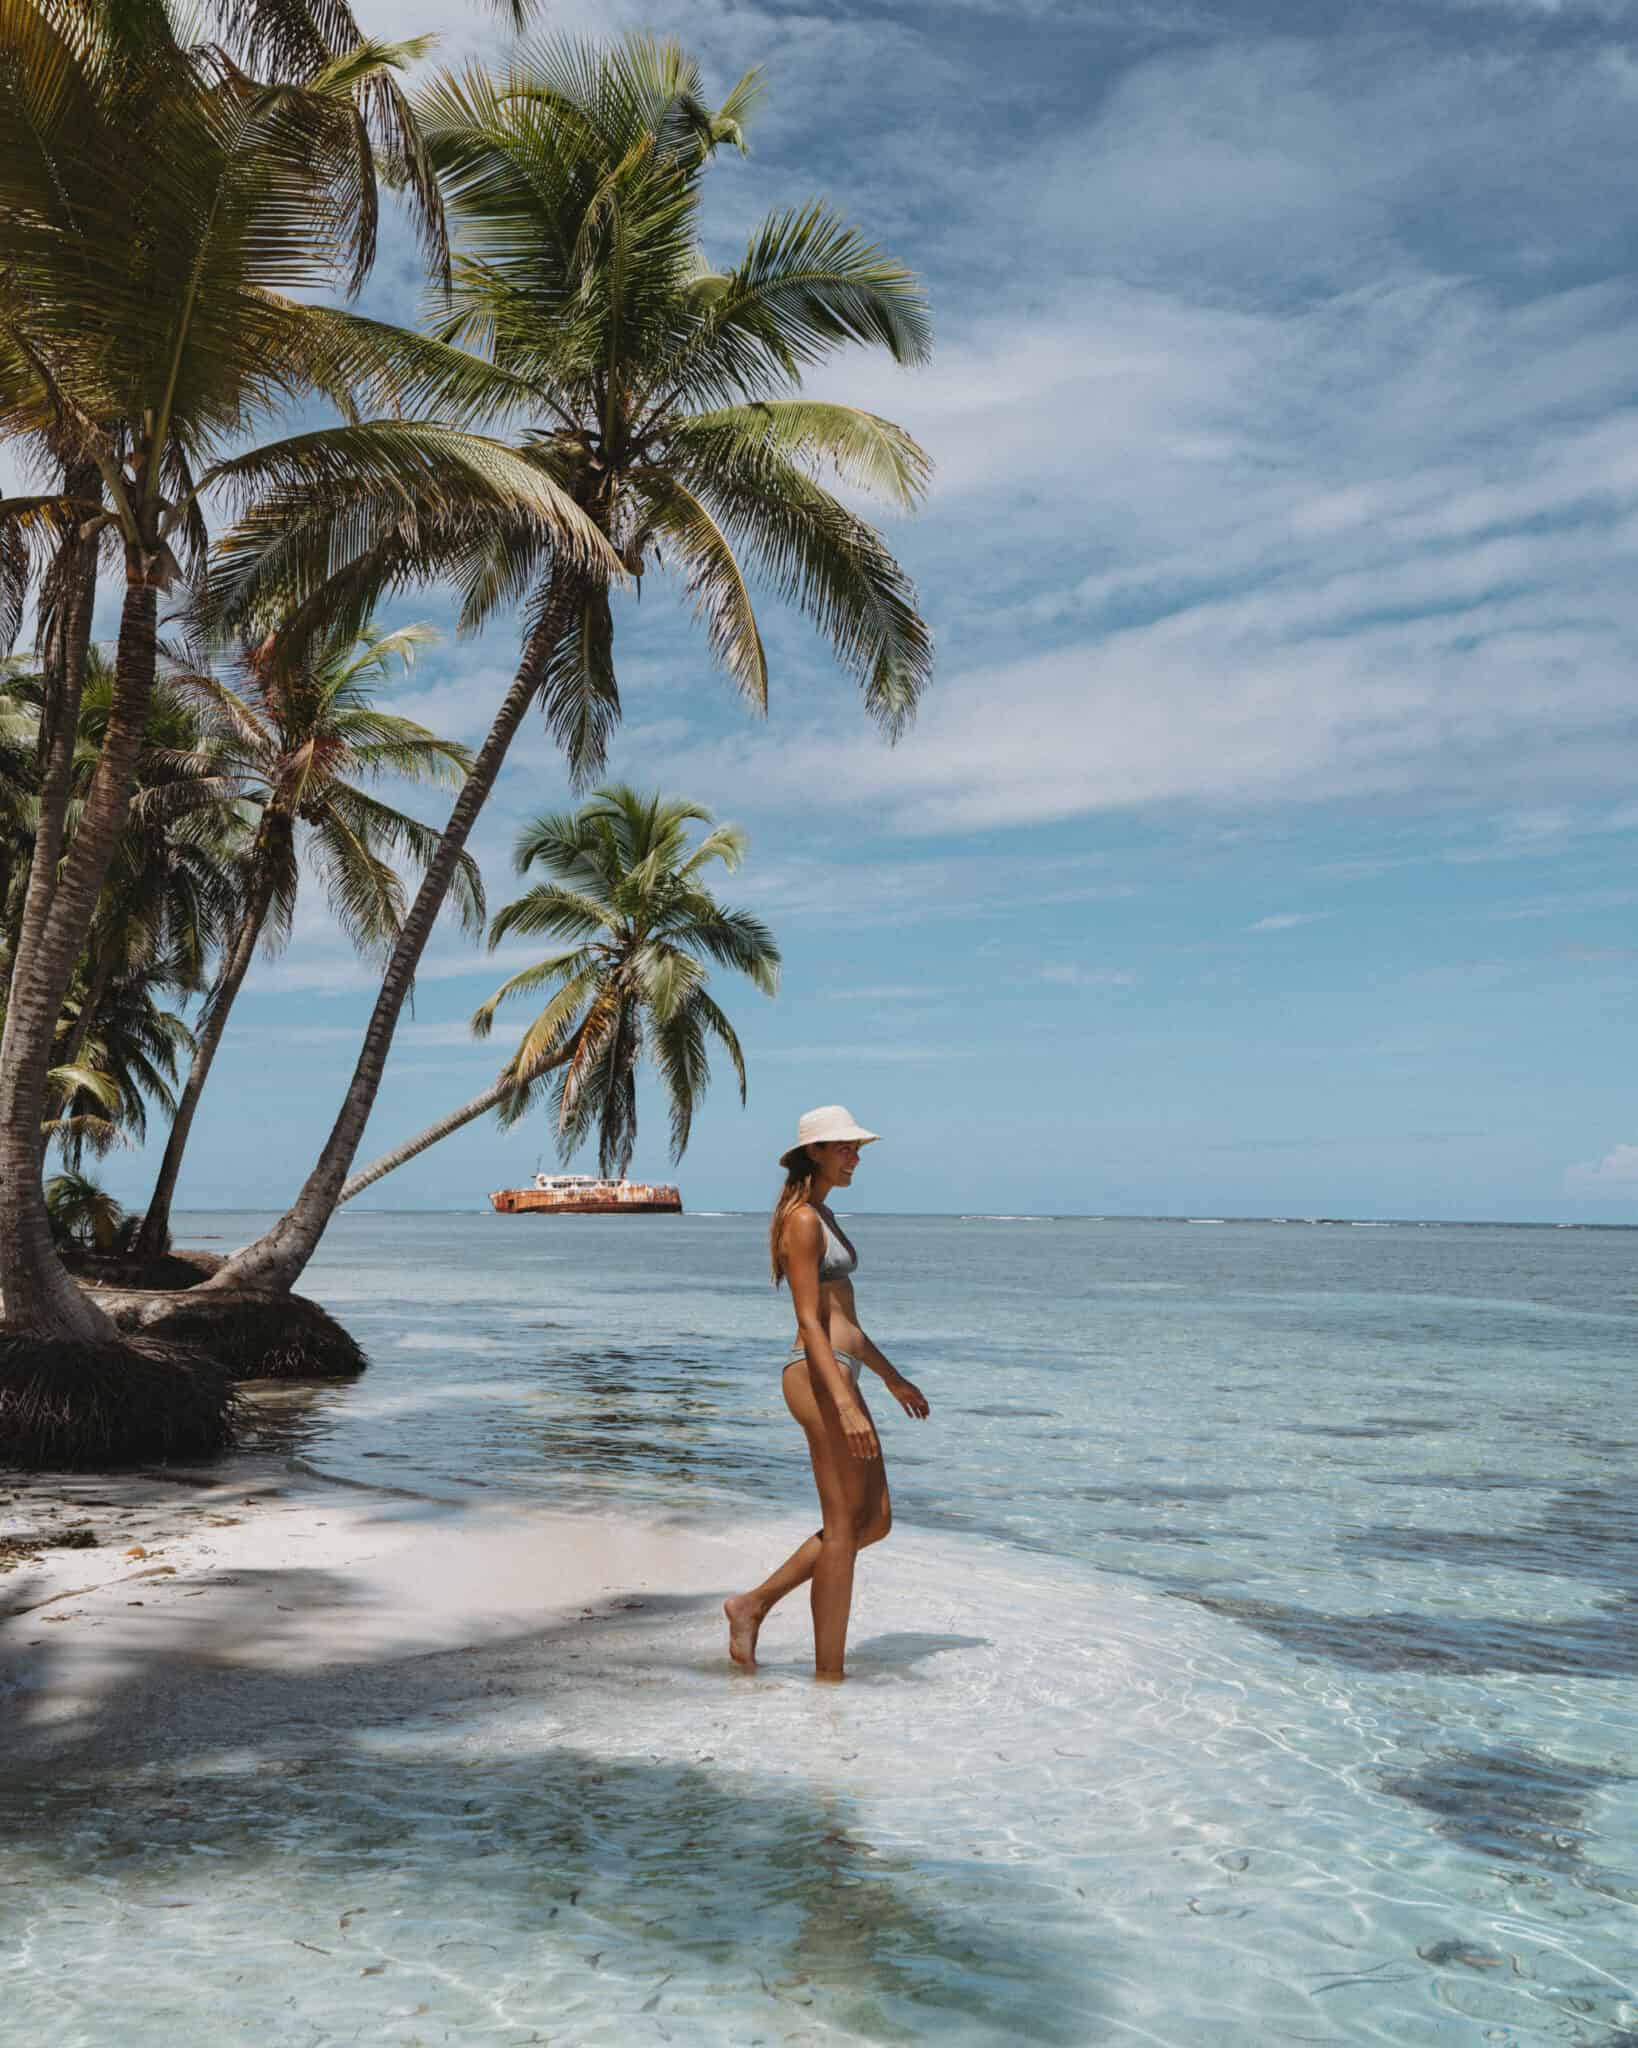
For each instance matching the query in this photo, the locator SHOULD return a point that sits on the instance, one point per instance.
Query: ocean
(1252, 1660)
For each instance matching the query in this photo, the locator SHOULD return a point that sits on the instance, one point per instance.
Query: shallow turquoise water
(1282, 1583)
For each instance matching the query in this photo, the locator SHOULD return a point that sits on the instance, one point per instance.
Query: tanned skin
(842, 1441)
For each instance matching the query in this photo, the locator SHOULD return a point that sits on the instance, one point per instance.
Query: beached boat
(583, 1194)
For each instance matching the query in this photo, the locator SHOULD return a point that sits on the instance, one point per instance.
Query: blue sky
(1267, 843)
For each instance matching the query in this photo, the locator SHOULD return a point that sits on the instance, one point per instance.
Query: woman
(810, 1249)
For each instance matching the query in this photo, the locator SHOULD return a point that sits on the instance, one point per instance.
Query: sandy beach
(298, 1761)
(259, 1570)
(257, 1596)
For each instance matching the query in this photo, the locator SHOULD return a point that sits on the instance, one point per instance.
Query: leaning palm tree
(160, 215)
(296, 742)
(626, 893)
(662, 398)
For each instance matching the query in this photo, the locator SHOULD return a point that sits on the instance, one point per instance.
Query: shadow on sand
(454, 1834)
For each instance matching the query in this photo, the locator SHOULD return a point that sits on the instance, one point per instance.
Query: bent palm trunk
(36, 1294)
(275, 1262)
(389, 1162)
(155, 1233)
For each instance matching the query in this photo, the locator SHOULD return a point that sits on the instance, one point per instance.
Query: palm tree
(158, 209)
(121, 1052)
(625, 891)
(167, 901)
(83, 1214)
(664, 401)
(172, 890)
(296, 742)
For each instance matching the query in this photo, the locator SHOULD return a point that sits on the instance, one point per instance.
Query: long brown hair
(800, 1176)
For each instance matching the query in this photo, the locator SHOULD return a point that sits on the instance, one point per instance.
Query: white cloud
(1070, 976)
(876, 892)
(320, 969)
(897, 1055)
(454, 1032)
(1288, 920)
(878, 995)
(1550, 10)
(1567, 904)
(1205, 541)
(1612, 1178)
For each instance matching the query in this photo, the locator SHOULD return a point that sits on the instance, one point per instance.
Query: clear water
(1262, 1627)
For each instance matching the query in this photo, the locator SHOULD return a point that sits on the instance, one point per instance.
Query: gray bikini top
(839, 1258)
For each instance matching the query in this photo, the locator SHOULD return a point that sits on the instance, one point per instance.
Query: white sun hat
(831, 1125)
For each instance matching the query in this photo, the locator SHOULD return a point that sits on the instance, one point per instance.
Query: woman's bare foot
(744, 1625)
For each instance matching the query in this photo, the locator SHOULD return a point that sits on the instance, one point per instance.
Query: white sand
(261, 1570)
(328, 1765)
(325, 1764)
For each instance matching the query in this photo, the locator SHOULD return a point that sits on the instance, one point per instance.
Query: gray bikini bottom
(845, 1359)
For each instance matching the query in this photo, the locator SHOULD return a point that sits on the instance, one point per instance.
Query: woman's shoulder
(805, 1219)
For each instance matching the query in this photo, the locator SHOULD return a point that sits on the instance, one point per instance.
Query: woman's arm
(908, 1395)
(801, 1246)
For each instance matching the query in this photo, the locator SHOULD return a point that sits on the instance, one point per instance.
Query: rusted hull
(638, 1201)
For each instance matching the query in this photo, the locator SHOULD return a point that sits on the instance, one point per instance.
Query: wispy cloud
(846, 1055)
(455, 1032)
(318, 969)
(884, 994)
(1567, 903)
(1071, 976)
(899, 891)
(1288, 920)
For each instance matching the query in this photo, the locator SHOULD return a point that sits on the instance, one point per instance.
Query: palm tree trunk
(389, 1162)
(36, 1294)
(101, 977)
(67, 654)
(155, 1233)
(275, 1261)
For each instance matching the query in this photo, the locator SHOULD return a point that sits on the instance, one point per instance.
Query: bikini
(838, 1261)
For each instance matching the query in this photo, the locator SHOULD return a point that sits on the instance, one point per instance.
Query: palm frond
(580, 696)
(832, 565)
(863, 450)
(732, 938)
(809, 282)
(684, 1068)
(714, 581)
(363, 890)
(350, 819)
(549, 911)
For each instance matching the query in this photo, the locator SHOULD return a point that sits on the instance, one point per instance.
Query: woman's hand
(909, 1397)
(861, 1438)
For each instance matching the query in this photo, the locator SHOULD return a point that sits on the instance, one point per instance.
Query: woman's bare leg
(853, 1499)
(746, 1612)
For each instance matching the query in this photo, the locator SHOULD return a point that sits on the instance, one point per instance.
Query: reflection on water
(616, 1889)
(1396, 1466)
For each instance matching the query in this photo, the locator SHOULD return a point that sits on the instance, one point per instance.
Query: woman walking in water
(810, 1249)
